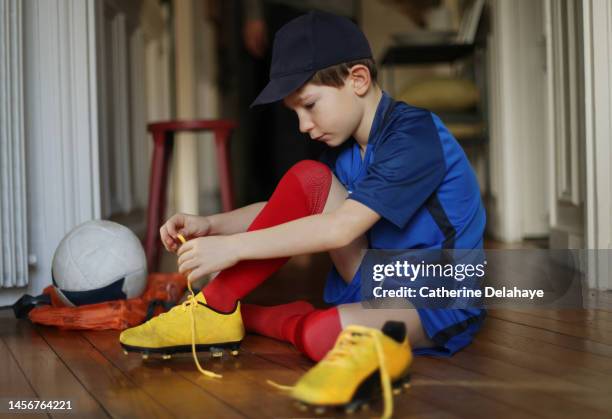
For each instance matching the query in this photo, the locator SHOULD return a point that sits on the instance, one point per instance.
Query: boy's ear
(360, 79)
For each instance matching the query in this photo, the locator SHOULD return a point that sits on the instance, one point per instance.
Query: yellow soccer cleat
(192, 326)
(362, 361)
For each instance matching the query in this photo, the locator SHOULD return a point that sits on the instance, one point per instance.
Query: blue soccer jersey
(417, 177)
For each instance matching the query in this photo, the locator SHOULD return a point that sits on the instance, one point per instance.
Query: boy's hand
(206, 255)
(190, 226)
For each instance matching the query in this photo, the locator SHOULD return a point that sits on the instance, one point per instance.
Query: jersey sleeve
(407, 167)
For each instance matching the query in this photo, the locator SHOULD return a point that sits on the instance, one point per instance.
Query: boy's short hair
(335, 75)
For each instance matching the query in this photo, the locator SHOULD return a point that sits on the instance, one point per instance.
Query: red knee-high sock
(312, 332)
(316, 332)
(301, 192)
(275, 321)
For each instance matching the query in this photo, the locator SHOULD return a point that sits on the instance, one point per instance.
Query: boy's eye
(309, 105)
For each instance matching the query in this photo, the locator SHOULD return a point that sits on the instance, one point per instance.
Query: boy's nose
(306, 125)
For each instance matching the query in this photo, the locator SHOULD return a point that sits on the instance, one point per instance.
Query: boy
(394, 178)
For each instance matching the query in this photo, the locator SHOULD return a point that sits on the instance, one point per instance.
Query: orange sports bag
(163, 291)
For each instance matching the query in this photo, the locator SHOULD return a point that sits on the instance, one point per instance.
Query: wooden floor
(550, 364)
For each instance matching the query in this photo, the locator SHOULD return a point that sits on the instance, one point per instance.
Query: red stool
(163, 137)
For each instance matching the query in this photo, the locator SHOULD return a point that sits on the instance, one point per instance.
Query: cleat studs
(319, 410)
(166, 356)
(397, 391)
(234, 349)
(352, 407)
(302, 407)
(406, 385)
(125, 352)
(145, 356)
(365, 407)
(215, 352)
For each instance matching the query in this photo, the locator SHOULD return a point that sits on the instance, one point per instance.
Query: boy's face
(327, 114)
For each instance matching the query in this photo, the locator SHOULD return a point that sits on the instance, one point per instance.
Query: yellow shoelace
(191, 302)
(343, 348)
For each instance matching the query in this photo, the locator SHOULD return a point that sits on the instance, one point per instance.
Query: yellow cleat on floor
(190, 327)
(362, 361)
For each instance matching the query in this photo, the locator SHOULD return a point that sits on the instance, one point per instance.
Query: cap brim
(280, 87)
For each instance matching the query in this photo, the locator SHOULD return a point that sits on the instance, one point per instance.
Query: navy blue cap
(309, 43)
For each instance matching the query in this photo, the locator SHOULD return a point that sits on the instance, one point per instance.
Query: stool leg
(162, 152)
(225, 179)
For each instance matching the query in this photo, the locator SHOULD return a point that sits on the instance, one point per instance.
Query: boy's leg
(314, 332)
(303, 191)
(346, 259)
(278, 321)
(274, 321)
(376, 318)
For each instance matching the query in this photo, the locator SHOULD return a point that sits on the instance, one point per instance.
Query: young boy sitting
(394, 178)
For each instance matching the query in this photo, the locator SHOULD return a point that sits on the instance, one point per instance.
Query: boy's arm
(315, 233)
(236, 221)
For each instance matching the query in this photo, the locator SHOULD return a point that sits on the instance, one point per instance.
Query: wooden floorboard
(555, 338)
(580, 330)
(120, 396)
(567, 356)
(47, 373)
(14, 384)
(570, 390)
(595, 319)
(182, 397)
(524, 363)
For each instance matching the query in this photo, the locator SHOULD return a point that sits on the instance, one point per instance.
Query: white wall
(194, 167)
(518, 138)
(207, 108)
(597, 24)
(532, 131)
(133, 64)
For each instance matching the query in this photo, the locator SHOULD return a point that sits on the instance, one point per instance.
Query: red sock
(316, 332)
(301, 192)
(274, 321)
(312, 332)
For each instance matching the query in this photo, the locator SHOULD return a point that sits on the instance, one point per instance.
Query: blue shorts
(450, 329)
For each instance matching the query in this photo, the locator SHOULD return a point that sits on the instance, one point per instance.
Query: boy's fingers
(184, 248)
(164, 236)
(198, 273)
(171, 229)
(185, 256)
(188, 265)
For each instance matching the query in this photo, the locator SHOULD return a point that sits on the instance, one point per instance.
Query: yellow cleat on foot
(362, 361)
(191, 325)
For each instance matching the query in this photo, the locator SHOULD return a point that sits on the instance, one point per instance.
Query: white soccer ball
(99, 261)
